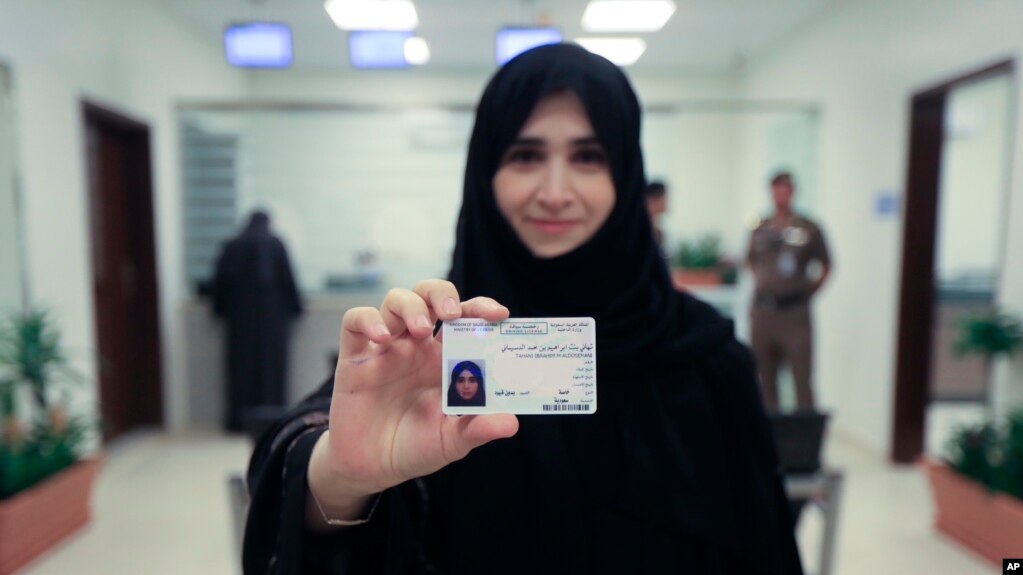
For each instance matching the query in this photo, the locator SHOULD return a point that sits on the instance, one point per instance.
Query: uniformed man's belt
(773, 302)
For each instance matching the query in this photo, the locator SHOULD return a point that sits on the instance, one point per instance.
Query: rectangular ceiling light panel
(394, 15)
(371, 49)
(627, 15)
(258, 45)
(621, 51)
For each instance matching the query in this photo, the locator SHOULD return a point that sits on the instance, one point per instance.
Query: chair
(799, 437)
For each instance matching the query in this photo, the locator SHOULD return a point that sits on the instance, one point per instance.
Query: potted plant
(697, 262)
(978, 488)
(45, 484)
(990, 335)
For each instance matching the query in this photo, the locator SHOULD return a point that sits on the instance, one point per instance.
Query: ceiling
(702, 36)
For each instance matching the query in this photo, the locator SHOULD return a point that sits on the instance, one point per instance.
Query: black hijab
(618, 277)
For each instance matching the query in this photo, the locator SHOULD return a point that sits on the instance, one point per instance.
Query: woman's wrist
(331, 502)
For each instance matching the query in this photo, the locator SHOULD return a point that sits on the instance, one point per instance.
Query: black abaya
(676, 473)
(254, 290)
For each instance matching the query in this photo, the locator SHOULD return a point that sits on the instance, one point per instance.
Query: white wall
(693, 153)
(862, 63)
(136, 57)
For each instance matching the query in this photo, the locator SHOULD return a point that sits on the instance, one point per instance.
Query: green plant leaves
(990, 334)
(44, 453)
(31, 356)
(990, 455)
(702, 253)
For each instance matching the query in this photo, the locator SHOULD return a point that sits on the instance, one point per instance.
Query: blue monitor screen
(368, 49)
(258, 45)
(513, 41)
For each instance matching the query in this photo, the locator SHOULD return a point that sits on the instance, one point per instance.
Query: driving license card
(524, 365)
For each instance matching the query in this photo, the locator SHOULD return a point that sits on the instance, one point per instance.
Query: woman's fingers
(464, 433)
(404, 310)
(486, 308)
(481, 307)
(442, 296)
(360, 326)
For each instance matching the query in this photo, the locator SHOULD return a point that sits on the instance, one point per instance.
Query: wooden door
(124, 271)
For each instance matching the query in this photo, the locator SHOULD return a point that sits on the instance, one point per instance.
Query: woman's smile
(553, 226)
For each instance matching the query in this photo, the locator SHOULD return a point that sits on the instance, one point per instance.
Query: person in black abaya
(254, 290)
(676, 472)
(467, 386)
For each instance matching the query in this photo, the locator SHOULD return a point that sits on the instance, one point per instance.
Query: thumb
(471, 431)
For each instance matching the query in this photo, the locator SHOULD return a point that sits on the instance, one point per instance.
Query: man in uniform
(782, 250)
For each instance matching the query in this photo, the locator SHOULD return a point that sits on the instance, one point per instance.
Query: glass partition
(367, 197)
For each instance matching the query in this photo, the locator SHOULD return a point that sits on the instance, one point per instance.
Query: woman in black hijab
(676, 473)
(467, 387)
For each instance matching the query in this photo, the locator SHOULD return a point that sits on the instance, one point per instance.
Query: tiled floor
(162, 507)
(885, 522)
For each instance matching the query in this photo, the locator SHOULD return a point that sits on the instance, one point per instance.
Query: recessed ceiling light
(417, 51)
(386, 15)
(626, 15)
(621, 51)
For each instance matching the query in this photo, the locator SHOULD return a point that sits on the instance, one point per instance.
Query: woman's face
(554, 183)
(467, 385)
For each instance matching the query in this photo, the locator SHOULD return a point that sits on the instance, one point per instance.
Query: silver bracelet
(345, 522)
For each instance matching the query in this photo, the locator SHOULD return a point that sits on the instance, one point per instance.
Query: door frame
(919, 234)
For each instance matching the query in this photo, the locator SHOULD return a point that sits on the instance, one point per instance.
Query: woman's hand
(386, 424)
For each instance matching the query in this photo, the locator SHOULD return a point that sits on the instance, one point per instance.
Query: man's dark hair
(656, 189)
(783, 178)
